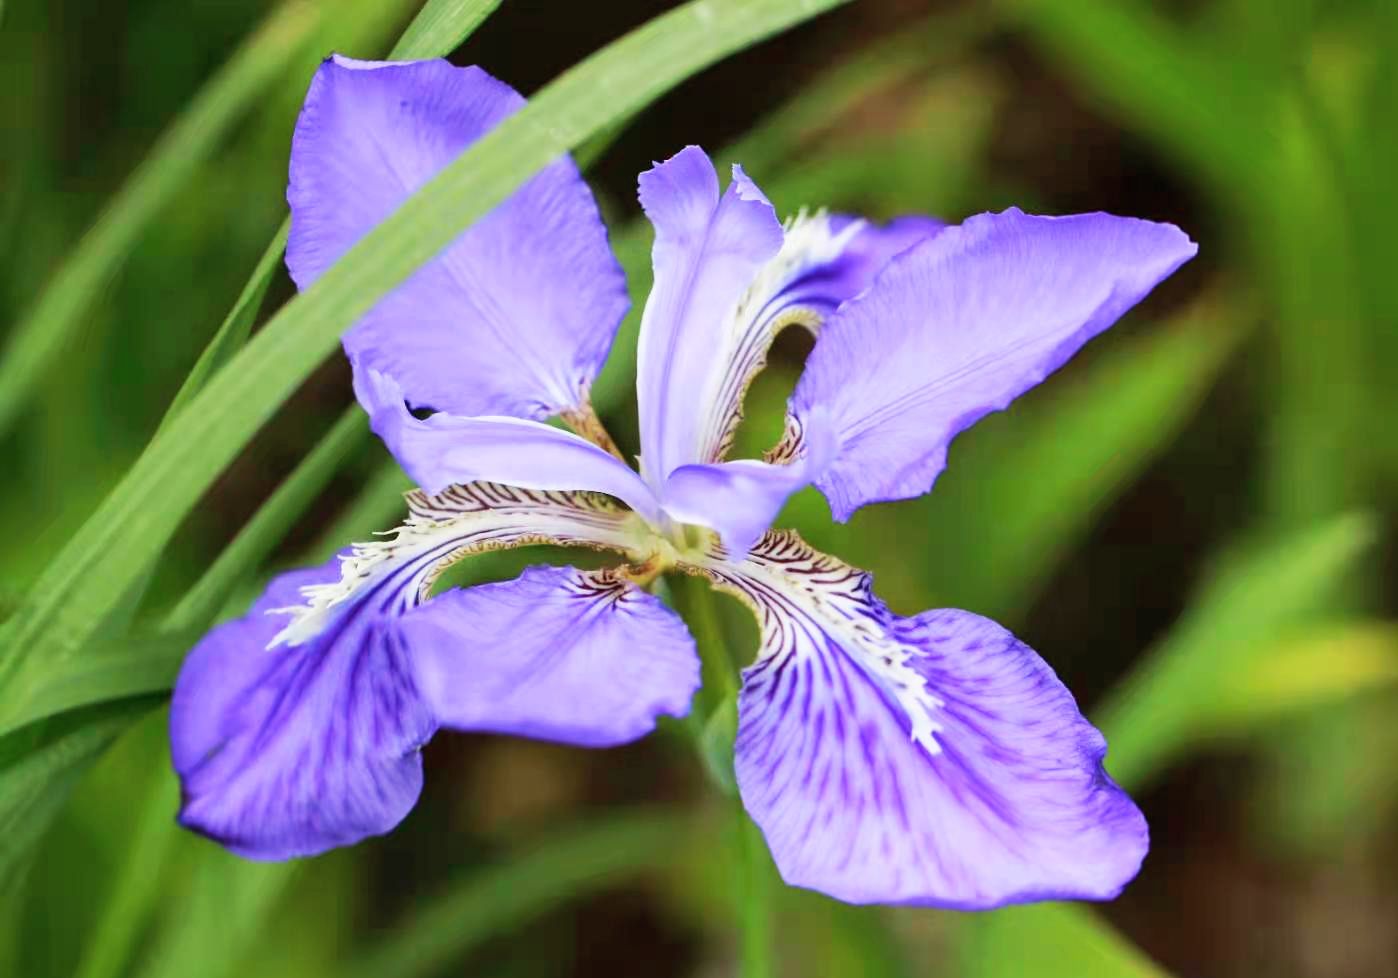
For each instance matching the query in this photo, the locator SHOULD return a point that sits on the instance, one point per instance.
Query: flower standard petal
(709, 247)
(297, 731)
(575, 656)
(728, 279)
(444, 449)
(960, 325)
(932, 760)
(517, 315)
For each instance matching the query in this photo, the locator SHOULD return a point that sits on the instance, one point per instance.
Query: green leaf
(566, 865)
(1050, 941)
(225, 907)
(273, 519)
(86, 581)
(1316, 667)
(1185, 687)
(236, 326)
(40, 337)
(439, 27)
(137, 886)
(38, 766)
(134, 665)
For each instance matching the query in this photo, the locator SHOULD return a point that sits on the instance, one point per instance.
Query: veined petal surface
(514, 318)
(296, 728)
(960, 325)
(582, 657)
(933, 760)
(444, 449)
(286, 752)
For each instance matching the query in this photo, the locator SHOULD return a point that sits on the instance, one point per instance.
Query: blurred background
(1193, 522)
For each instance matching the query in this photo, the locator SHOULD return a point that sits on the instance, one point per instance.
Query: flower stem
(754, 900)
(694, 599)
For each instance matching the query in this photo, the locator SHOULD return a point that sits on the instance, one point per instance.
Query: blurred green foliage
(1235, 432)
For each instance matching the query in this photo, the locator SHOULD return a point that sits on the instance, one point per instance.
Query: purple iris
(930, 760)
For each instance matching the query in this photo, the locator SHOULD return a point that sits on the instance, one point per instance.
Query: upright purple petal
(288, 751)
(728, 279)
(296, 728)
(709, 248)
(517, 315)
(933, 760)
(444, 449)
(960, 325)
(559, 654)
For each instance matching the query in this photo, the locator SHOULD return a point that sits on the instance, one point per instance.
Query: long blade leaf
(569, 864)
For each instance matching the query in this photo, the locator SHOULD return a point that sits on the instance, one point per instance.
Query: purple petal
(959, 326)
(825, 285)
(445, 449)
(933, 760)
(708, 250)
(558, 654)
(516, 317)
(740, 499)
(296, 732)
(288, 751)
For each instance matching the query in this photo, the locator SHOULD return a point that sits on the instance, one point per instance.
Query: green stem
(694, 599)
(754, 892)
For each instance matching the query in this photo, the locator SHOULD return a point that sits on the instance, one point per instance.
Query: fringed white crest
(809, 243)
(810, 606)
(444, 528)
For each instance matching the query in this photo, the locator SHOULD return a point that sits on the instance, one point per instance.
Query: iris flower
(932, 760)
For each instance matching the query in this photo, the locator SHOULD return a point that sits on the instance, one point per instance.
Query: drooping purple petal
(517, 315)
(444, 449)
(559, 654)
(298, 731)
(709, 248)
(288, 751)
(934, 760)
(960, 325)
